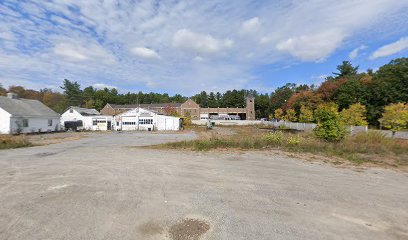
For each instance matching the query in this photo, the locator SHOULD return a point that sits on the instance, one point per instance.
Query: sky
(189, 46)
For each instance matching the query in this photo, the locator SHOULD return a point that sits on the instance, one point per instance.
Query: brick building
(187, 108)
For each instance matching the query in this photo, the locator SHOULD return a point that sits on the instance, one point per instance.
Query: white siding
(102, 123)
(35, 124)
(87, 121)
(4, 122)
(144, 120)
(69, 116)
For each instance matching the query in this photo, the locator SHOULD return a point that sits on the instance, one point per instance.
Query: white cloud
(103, 86)
(72, 50)
(204, 44)
(353, 54)
(313, 47)
(391, 48)
(198, 59)
(251, 25)
(145, 53)
(200, 43)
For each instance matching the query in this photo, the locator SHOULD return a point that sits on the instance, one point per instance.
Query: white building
(77, 118)
(19, 115)
(144, 120)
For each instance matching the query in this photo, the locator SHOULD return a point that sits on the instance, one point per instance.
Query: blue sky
(188, 46)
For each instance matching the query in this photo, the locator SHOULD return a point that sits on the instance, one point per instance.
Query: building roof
(144, 105)
(86, 111)
(21, 107)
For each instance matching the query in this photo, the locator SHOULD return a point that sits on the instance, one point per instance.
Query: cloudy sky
(188, 46)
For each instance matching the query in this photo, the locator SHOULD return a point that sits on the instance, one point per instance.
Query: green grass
(358, 149)
(10, 141)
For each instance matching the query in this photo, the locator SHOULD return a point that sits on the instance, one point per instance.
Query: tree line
(346, 87)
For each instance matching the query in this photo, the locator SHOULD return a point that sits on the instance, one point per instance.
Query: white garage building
(19, 115)
(77, 118)
(145, 120)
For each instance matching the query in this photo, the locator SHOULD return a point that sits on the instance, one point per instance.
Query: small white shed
(145, 120)
(77, 118)
(19, 115)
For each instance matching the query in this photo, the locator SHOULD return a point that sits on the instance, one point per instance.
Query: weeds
(7, 141)
(360, 148)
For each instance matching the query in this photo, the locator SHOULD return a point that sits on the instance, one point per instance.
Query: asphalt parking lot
(102, 187)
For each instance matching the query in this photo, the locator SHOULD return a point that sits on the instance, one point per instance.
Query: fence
(294, 125)
(291, 125)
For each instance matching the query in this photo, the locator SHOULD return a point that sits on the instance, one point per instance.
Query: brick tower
(250, 106)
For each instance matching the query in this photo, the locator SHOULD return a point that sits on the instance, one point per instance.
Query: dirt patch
(150, 228)
(188, 229)
(52, 138)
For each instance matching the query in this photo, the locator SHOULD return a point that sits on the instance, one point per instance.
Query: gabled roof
(86, 111)
(21, 107)
(144, 105)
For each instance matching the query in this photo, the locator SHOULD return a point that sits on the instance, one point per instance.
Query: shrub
(293, 140)
(306, 115)
(279, 114)
(395, 117)
(275, 138)
(329, 124)
(355, 115)
(290, 115)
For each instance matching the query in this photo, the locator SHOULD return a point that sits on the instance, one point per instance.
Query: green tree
(212, 101)
(306, 115)
(281, 95)
(329, 124)
(290, 115)
(262, 105)
(73, 93)
(352, 91)
(355, 115)
(395, 117)
(345, 69)
(3, 91)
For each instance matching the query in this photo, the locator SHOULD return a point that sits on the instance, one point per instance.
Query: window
(145, 121)
(117, 123)
(71, 110)
(49, 122)
(94, 122)
(25, 122)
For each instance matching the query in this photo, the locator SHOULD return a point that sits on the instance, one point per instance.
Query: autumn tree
(278, 114)
(290, 115)
(328, 88)
(329, 124)
(306, 115)
(304, 98)
(355, 115)
(170, 110)
(395, 117)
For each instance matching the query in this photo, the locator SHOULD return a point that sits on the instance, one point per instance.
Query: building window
(71, 110)
(94, 122)
(117, 123)
(25, 122)
(49, 122)
(145, 121)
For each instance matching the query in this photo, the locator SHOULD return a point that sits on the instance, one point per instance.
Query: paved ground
(98, 188)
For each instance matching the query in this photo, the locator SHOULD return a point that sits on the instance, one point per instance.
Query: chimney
(12, 95)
